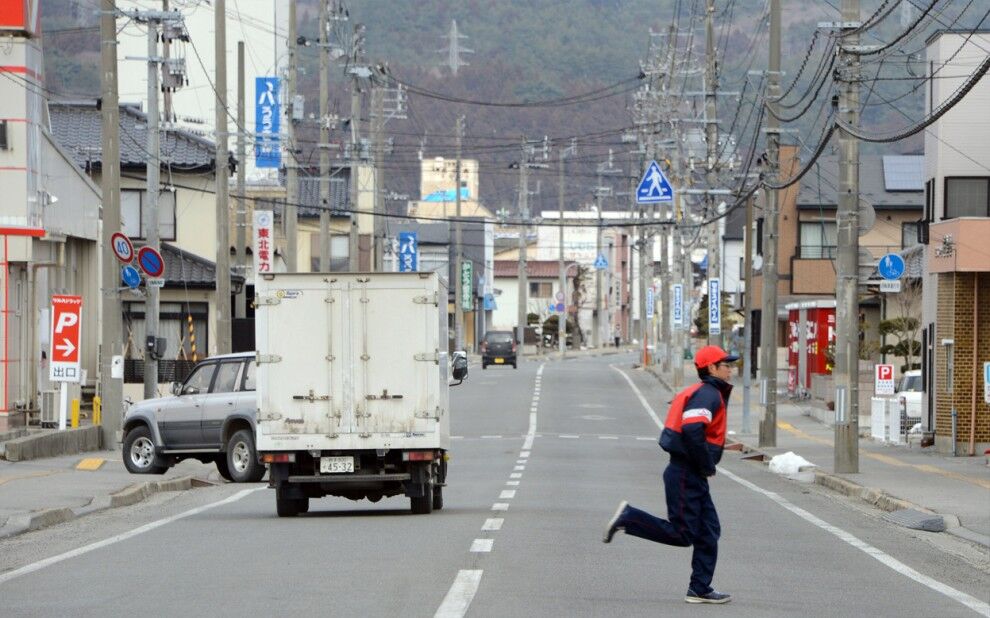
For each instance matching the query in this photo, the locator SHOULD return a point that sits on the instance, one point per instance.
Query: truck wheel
(437, 498)
(222, 467)
(424, 505)
(139, 453)
(242, 460)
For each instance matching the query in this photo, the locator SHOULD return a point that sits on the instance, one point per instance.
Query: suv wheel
(242, 459)
(222, 467)
(139, 453)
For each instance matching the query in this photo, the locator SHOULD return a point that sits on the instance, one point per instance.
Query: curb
(879, 498)
(19, 524)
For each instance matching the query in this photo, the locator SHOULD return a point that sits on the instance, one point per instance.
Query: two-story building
(955, 228)
(186, 224)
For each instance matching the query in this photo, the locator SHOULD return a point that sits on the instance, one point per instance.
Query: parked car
(209, 417)
(909, 396)
(498, 348)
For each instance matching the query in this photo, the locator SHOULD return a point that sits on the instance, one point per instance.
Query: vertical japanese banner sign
(649, 303)
(678, 312)
(408, 252)
(66, 335)
(714, 306)
(267, 121)
(467, 289)
(264, 245)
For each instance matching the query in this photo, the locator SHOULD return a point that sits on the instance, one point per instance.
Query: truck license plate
(336, 465)
(499, 361)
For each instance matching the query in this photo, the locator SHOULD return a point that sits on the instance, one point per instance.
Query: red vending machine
(810, 332)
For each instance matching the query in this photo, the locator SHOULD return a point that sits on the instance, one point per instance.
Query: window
(909, 234)
(930, 200)
(226, 380)
(818, 240)
(967, 197)
(540, 289)
(134, 209)
(199, 380)
(249, 373)
(339, 252)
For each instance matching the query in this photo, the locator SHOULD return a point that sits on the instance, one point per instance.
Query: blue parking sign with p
(408, 252)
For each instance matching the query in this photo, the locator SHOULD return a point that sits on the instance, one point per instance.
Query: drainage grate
(916, 520)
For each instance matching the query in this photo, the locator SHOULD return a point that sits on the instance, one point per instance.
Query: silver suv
(209, 417)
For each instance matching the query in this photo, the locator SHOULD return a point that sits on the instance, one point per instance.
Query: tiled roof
(535, 269)
(185, 270)
(77, 127)
(819, 187)
(309, 194)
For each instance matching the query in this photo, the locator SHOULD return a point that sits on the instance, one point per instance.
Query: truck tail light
(278, 458)
(418, 456)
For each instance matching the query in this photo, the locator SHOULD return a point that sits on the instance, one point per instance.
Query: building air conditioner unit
(49, 408)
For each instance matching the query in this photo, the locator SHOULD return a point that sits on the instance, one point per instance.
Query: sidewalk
(44, 492)
(890, 477)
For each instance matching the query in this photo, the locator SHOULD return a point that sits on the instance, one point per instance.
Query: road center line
(460, 595)
(494, 523)
(37, 566)
(973, 603)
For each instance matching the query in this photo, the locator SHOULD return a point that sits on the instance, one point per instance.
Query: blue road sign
(654, 187)
(267, 116)
(559, 308)
(650, 304)
(151, 262)
(601, 263)
(678, 312)
(891, 266)
(130, 276)
(408, 252)
(714, 306)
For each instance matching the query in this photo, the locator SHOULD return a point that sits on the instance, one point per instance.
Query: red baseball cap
(711, 354)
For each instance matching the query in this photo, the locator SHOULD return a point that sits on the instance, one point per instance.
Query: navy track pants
(692, 521)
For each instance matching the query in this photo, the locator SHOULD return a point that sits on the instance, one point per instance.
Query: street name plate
(890, 286)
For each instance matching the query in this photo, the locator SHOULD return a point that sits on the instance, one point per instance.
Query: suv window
(249, 374)
(200, 378)
(226, 381)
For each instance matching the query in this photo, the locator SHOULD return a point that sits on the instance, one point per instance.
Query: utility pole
(353, 246)
(458, 246)
(222, 181)
(682, 270)
(166, 92)
(847, 264)
(357, 70)
(151, 301)
(748, 308)
(596, 335)
(711, 137)
(378, 139)
(290, 212)
(768, 313)
(240, 306)
(324, 182)
(562, 318)
(111, 330)
(524, 216)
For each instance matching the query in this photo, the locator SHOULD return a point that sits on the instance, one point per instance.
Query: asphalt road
(787, 549)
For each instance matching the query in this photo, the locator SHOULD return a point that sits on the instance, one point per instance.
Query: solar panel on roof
(904, 172)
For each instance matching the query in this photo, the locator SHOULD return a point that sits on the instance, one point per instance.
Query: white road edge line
(973, 603)
(460, 595)
(79, 551)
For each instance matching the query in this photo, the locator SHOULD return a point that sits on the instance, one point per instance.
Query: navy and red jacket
(694, 432)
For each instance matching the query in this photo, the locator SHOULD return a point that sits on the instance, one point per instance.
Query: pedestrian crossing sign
(654, 188)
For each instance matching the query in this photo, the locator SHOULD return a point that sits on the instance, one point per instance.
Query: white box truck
(352, 386)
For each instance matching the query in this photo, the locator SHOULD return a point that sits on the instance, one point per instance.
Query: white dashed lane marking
(482, 545)
(493, 523)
